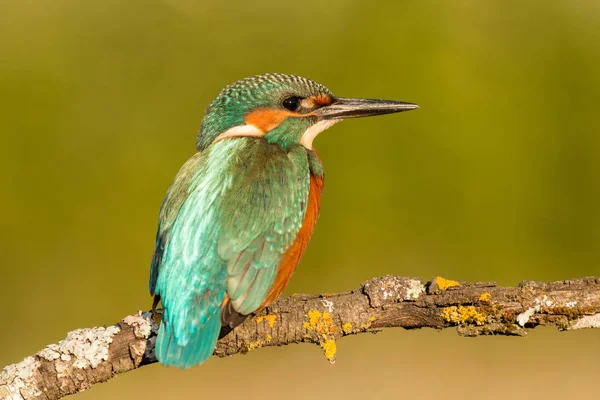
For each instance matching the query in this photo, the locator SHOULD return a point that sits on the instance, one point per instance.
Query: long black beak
(342, 108)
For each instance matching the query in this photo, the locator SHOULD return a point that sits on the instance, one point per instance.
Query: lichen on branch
(89, 356)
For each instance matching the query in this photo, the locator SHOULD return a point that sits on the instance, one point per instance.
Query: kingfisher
(239, 214)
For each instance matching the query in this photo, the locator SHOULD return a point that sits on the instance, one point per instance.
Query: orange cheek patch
(266, 120)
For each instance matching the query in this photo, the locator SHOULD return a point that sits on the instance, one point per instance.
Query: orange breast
(292, 256)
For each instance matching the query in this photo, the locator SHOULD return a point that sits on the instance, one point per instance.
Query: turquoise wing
(186, 271)
(230, 215)
(261, 219)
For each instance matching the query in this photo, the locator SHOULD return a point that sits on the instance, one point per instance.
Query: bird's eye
(291, 103)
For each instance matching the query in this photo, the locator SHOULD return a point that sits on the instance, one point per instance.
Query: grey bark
(88, 356)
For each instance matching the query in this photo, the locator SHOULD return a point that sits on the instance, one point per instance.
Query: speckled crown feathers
(248, 88)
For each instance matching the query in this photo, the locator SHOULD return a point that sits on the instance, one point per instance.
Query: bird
(240, 212)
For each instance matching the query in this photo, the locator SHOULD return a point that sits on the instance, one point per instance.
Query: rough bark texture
(89, 356)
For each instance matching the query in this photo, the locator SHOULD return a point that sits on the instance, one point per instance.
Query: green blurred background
(496, 177)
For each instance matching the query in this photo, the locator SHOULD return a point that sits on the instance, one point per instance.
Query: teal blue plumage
(223, 232)
(239, 214)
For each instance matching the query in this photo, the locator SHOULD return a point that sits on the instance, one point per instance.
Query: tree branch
(89, 356)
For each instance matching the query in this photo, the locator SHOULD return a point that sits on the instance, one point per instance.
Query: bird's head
(284, 109)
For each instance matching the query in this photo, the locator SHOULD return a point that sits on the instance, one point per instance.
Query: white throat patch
(240, 130)
(311, 133)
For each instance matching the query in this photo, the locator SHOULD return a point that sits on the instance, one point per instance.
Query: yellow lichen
(269, 318)
(322, 324)
(313, 317)
(372, 319)
(269, 338)
(329, 348)
(485, 296)
(444, 284)
(463, 315)
(347, 328)
(254, 345)
(364, 327)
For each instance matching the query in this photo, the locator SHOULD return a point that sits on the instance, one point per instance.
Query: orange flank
(292, 256)
(267, 119)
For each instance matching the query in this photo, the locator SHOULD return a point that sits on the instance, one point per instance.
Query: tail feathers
(198, 349)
